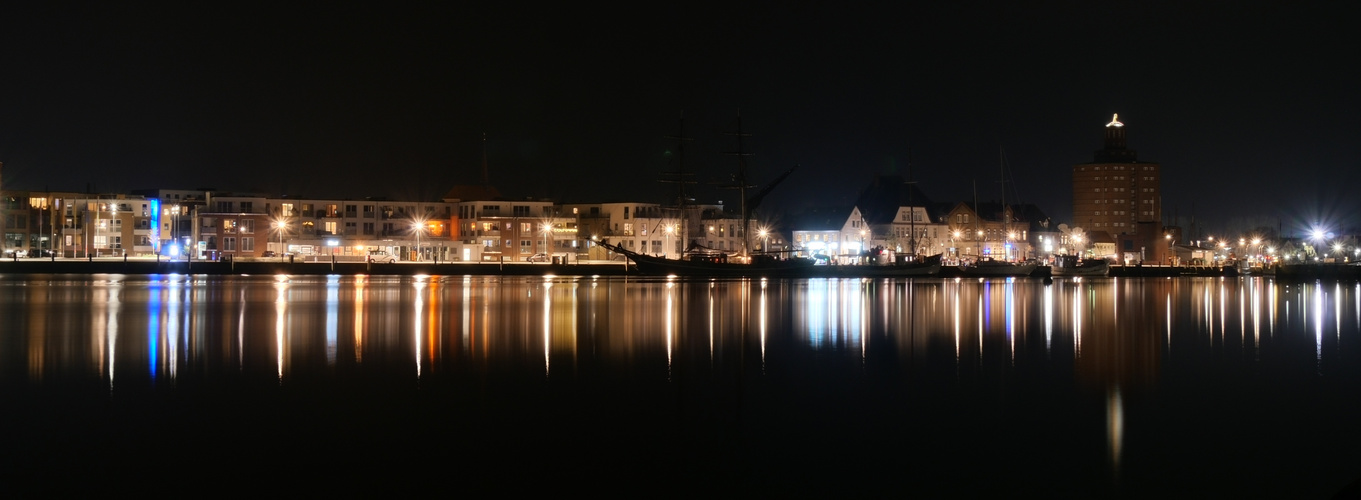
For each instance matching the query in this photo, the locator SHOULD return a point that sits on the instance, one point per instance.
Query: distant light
(1115, 121)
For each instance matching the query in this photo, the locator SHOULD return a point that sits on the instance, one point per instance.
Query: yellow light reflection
(280, 310)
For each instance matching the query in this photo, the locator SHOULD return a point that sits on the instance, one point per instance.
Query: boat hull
(656, 266)
(1086, 270)
(999, 270)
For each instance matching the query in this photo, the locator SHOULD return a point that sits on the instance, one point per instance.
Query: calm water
(1102, 387)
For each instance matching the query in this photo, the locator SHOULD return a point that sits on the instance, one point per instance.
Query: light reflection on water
(1115, 344)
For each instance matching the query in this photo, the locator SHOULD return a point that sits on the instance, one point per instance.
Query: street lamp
(1011, 236)
(280, 225)
(546, 229)
(669, 230)
(418, 226)
(765, 242)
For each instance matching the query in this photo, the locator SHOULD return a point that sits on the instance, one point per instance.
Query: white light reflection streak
(1048, 318)
(1337, 311)
(332, 317)
(359, 282)
(1318, 324)
(956, 307)
(175, 309)
(468, 309)
(419, 305)
(1256, 318)
(112, 337)
(548, 330)
(280, 308)
(670, 328)
(711, 324)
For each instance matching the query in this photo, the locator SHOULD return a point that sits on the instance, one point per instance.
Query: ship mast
(680, 177)
(912, 211)
(740, 182)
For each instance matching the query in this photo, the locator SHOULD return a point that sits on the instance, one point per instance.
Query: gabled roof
(879, 202)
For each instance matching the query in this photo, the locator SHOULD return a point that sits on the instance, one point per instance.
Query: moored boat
(990, 268)
(715, 264)
(925, 267)
(1067, 265)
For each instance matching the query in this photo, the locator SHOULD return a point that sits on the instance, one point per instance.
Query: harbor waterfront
(1292, 273)
(1088, 387)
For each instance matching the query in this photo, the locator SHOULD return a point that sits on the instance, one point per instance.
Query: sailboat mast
(741, 180)
(1001, 165)
(681, 180)
(912, 211)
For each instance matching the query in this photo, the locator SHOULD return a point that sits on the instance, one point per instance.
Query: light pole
(417, 226)
(765, 241)
(1168, 237)
(1011, 236)
(669, 230)
(280, 225)
(953, 248)
(547, 229)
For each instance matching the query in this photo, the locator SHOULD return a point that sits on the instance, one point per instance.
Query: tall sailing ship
(699, 261)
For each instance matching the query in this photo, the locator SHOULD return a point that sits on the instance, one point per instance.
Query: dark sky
(1249, 109)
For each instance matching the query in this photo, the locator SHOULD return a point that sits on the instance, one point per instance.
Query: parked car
(538, 257)
(268, 253)
(382, 257)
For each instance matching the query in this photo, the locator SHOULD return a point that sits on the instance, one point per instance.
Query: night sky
(1249, 109)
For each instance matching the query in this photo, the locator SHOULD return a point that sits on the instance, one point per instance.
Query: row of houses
(469, 224)
(890, 219)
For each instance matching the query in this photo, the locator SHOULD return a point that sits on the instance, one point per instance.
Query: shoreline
(1286, 273)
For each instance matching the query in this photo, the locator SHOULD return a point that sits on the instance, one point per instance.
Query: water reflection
(1109, 325)
(1092, 347)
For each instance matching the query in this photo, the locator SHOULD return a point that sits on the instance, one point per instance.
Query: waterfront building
(912, 230)
(510, 231)
(234, 226)
(1121, 196)
(31, 222)
(990, 230)
(836, 234)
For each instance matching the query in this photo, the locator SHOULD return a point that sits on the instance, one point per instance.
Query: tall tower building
(1116, 193)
